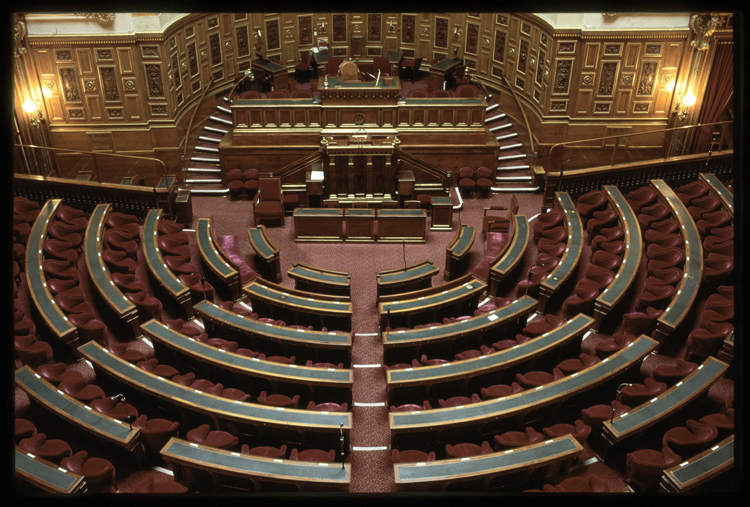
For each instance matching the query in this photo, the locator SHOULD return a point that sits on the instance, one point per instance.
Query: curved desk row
(46, 475)
(75, 412)
(409, 278)
(495, 361)
(255, 468)
(561, 450)
(36, 279)
(318, 280)
(269, 299)
(512, 255)
(216, 260)
(99, 272)
(234, 322)
(718, 188)
(475, 325)
(457, 249)
(572, 255)
(700, 468)
(676, 397)
(524, 401)
(208, 404)
(631, 259)
(430, 304)
(266, 250)
(156, 266)
(163, 336)
(687, 288)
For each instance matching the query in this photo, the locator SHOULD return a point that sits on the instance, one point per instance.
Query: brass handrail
(523, 112)
(192, 117)
(96, 154)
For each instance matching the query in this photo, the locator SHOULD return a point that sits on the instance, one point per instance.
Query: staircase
(204, 170)
(514, 174)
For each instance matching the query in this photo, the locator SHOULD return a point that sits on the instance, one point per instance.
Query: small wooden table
(396, 225)
(318, 224)
(360, 224)
(442, 213)
(440, 70)
(278, 73)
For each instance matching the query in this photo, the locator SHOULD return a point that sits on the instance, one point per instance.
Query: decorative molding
(648, 76)
(441, 33)
(523, 55)
(272, 34)
(154, 81)
(63, 55)
(215, 48)
(499, 55)
(109, 84)
(102, 17)
(339, 28)
(374, 28)
(104, 55)
(193, 59)
(472, 38)
(70, 86)
(607, 79)
(703, 26)
(540, 67)
(408, 25)
(305, 25)
(243, 41)
(562, 76)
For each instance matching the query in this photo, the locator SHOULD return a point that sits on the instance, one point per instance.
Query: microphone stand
(121, 398)
(341, 429)
(617, 398)
(403, 243)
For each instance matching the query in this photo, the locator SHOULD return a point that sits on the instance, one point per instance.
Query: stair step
(508, 179)
(206, 149)
(210, 170)
(504, 126)
(511, 157)
(223, 109)
(207, 191)
(223, 120)
(515, 189)
(505, 137)
(205, 160)
(210, 138)
(511, 146)
(492, 107)
(203, 181)
(498, 117)
(216, 129)
(507, 168)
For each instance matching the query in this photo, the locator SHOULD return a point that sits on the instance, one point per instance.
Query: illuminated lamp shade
(29, 106)
(688, 100)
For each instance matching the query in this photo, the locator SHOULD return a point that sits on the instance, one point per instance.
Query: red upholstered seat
(126, 352)
(707, 341)
(654, 213)
(466, 90)
(590, 484)
(512, 439)
(595, 416)
(116, 240)
(724, 423)
(328, 407)
(270, 202)
(323, 365)
(251, 181)
(533, 379)
(548, 262)
(64, 232)
(62, 250)
(172, 246)
(154, 433)
(582, 302)
(181, 265)
(644, 196)
(671, 373)
(573, 365)
(58, 372)
(186, 379)
(212, 438)
(667, 276)
(89, 328)
(232, 393)
(556, 234)
(510, 342)
(278, 400)
(611, 345)
(221, 343)
(691, 439)
(117, 261)
(52, 449)
(467, 180)
(717, 267)
(167, 226)
(658, 229)
(457, 401)
(705, 204)
(713, 220)
(81, 390)
(411, 407)
(600, 220)
(281, 359)
(638, 323)
(590, 202)
(605, 235)
(606, 260)
(264, 451)
(468, 354)
(580, 430)
(657, 296)
(665, 259)
(32, 351)
(638, 393)
(234, 179)
(148, 307)
(530, 286)
(114, 408)
(500, 390)
(539, 326)
(547, 220)
(169, 486)
(551, 248)
(152, 365)
(411, 456)
(467, 449)
(61, 269)
(313, 455)
(73, 217)
(484, 180)
(23, 428)
(693, 190)
(98, 473)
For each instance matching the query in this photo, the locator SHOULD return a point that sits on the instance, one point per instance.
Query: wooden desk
(405, 183)
(687, 288)
(323, 281)
(457, 250)
(214, 258)
(103, 427)
(429, 305)
(314, 188)
(266, 250)
(255, 468)
(718, 188)
(406, 279)
(384, 92)
(46, 475)
(36, 279)
(394, 57)
(512, 255)
(673, 399)
(214, 406)
(478, 414)
(631, 259)
(572, 255)
(99, 272)
(156, 266)
(440, 70)
(486, 466)
(700, 468)
(442, 213)
(318, 224)
(278, 73)
(360, 224)
(401, 225)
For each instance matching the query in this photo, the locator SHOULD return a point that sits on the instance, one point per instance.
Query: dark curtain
(718, 91)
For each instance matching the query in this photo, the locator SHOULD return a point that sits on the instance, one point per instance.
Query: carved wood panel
(374, 27)
(339, 28)
(441, 33)
(408, 28)
(305, 30)
(499, 54)
(472, 38)
(273, 38)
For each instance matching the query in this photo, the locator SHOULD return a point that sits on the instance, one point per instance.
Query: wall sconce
(34, 110)
(682, 108)
(392, 26)
(321, 28)
(258, 34)
(456, 34)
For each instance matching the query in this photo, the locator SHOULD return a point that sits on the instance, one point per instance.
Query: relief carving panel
(111, 92)
(647, 78)
(339, 27)
(441, 33)
(70, 84)
(373, 27)
(273, 38)
(408, 24)
(243, 42)
(154, 81)
(472, 38)
(607, 79)
(499, 55)
(562, 76)
(305, 30)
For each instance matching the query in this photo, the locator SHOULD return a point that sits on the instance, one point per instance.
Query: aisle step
(492, 107)
(513, 179)
(511, 146)
(518, 167)
(204, 148)
(498, 117)
(217, 129)
(511, 157)
(501, 127)
(205, 160)
(505, 137)
(224, 109)
(222, 119)
(210, 138)
(202, 181)
(210, 170)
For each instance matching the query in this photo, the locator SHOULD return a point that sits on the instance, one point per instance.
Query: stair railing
(525, 119)
(183, 143)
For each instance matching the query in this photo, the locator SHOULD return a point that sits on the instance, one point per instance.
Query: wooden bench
(266, 250)
(318, 280)
(457, 250)
(216, 260)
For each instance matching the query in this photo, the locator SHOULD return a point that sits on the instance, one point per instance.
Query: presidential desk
(181, 453)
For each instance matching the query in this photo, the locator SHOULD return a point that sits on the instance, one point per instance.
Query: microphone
(369, 75)
(118, 397)
(617, 398)
(528, 282)
(341, 429)
(203, 286)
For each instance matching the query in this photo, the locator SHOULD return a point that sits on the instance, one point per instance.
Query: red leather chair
(278, 400)
(724, 423)
(183, 327)
(669, 258)
(636, 394)
(666, 276)
(23, 428)
(235, 180)
(61, 250)
(251, 181)
(73, 217)
(169, 486)
(313, 455)
(302, 94)
(602, 276)
(281, 359)
(654, 213)
(24, 326)
(704, 342)
(249, 353)
(467, 449)
(152, 365)
(52, 449)
(654, 296)
(57, 285)
(513, 439)
(154, 433)
(466, 90)
(595, 416)
(539, 326)
(671, 373)
(232, 393)
(221, 343)
(691, 439)
(705, 204)
(551, 248)
(613, 247)
(600, 220)
(725, 247)
(555, 234)
(213, 438)
(669, 241)
(73, 301)
(573, 365)
(467, 180)
(172, 246)
(126, 282)
(126, 352)
(618, 342)
(22, 206)
(693, 190)
(723, 233)
(89, 328)
(411, 456)
(64, 232)
(606, 260)
(582, 301)
(510, 342)
(548, 262)
(713, 220)
(484, 180)
(127, 224)
(546, 221)
(588, 203)
(328, 407)
(411, 407)
(186, 379)
(60, 269)
(716, 268)
(32, 351)
(167, 227)
(417, 93)
(81, 390)
(114, 408)
(457, 401)
(116, 240)
(264, 451)
(645, 467)
(607, 234)
(117, 261)
(466, 354)
(270, 202)
(639, 198)
(59, 372)
(148, 307)
(580, 430)
(323, 365)
(719, 300)
(533, 379)
(98, 473)
(718, 315)
(590, 484)
(657, 230)
(638, 323)
(530, 286)
(199, 288)
(499, 391)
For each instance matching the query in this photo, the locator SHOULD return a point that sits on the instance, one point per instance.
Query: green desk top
(705, 464)
(234, 463)
(319, 276)
(570, 258)
(467, 233)
(463, 327)
(369, 212)
(669, 401)
(268, 65)
(494, 361)
(687, 289)
(256, 290)
(407, 212)
(165, 182)
(394, 56)
(73, 410)
(97, 268)
(210, 252)
(223, 408)
(323, 212)
(516, 248)
(496, 463)
(473, 287)
(37, 280)
(446, 64)
(260, 243)
(441, 200)
(270, 331)
(530, 399)
(47, 475)
(726, 196)
(415, 271)
(247, 365)
(631, 259)
(149, 243)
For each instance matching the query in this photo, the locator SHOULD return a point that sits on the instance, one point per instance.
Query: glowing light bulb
(29, 106)
(688, 100)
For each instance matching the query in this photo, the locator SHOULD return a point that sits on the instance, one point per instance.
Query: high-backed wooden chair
(270, 202)
(499, 223)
